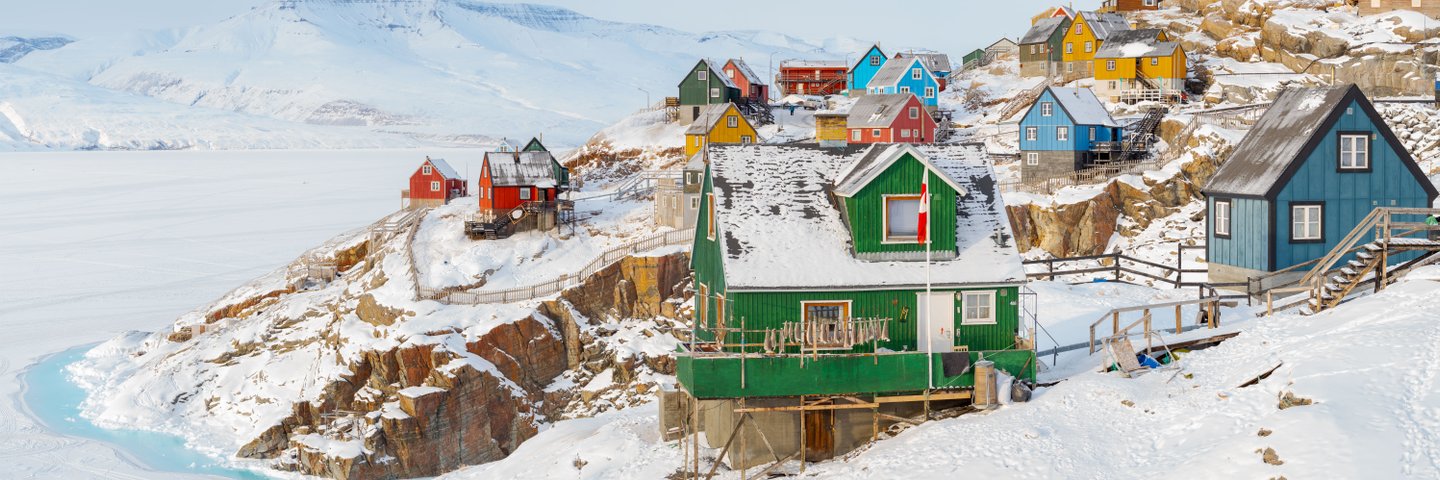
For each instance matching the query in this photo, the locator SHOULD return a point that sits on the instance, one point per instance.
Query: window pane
(902, 218)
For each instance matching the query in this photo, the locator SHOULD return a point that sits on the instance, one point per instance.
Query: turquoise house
(1063, 131)
(865, 68)
(907, 75)
(1314, 166)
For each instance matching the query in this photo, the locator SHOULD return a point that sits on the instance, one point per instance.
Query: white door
(942, 325)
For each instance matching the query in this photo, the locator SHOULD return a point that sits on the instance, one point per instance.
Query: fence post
(1117, 266)
(1179, 325)
(1179, 264)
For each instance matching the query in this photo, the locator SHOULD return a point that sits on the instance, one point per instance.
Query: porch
(708, 375)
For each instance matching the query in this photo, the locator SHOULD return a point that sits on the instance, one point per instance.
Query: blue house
(864, 69)
(1064, 130)
(907, 75)
(1314, 166)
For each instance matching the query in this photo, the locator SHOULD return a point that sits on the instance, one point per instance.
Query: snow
(1136, 49)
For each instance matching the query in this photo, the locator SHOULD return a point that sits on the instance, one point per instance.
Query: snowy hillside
(442, 71)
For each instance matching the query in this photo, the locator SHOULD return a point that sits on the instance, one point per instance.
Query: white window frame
(985, 299)
(1089, 46)
(700, 75)
(525, 193)
(732, 121)
(1032, 134)
(710, 215)
(1062, 134)
(426, 170)
(855, 135)
(1032, 158)
(915, 74)
(1079, 28)
(746, 140)
(874, 60)
(1092, 134)
(929, 92)
(1110, 65)
(1154, 61)
(914, 113)
(885, 237)
(481, 193)
(1047, 109)
(434, 186)
(714, 92)
(1305, 216)
(845, 316)
(694, 203)
(905, 133)
(1222, 218)
(904, 90)
(875, 132)
(1354, 152)
(1069, 47)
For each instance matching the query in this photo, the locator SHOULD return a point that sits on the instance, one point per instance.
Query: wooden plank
(957, 395)
(899, 419)
(807, 408)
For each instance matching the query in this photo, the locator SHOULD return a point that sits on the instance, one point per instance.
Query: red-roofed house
(434, 184)
(751, 86)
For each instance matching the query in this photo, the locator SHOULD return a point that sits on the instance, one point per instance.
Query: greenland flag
(923, 229)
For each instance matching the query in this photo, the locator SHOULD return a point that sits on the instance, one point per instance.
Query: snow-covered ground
(94, 244)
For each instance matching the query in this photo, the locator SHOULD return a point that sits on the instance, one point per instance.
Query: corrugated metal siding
(1348, 197)
(836, 375)
(1248, 245)
(866, 210)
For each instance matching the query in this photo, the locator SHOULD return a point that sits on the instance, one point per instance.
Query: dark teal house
(1314, 166)
(705, 84)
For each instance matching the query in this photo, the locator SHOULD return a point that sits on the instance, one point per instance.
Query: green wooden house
(562, 173)
(810, 279)
(705, 84)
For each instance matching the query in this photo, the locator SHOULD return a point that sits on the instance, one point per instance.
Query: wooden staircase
(1371, 263)
(1140, 134)
(503, 225)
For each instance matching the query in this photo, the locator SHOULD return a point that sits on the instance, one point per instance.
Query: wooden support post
(744, 454)
(733, 433)
(1148, 342)
(875, 422)
(1179, 264)
(802, 434)
(1115, 323)
(1179, 325)
(1213, 311)
(695, 414)
(1269, 304)
(742, 352)
(1092, 339)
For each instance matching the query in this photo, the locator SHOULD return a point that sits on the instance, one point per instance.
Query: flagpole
(930, 306)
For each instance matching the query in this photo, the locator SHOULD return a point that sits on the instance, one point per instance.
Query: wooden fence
(553, 286)
(1115, 265)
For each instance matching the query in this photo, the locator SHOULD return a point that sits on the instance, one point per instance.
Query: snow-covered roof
(936, 62)
(1003, 42)
(892, 72)
(877, 110)
(1083, 107)
(709, 116)
(1277, 140)
(1043, 29)
(521, 169)
(814, 64)
(444, 168)
(1136, 44)
(864, 170)
(745, 70)
(1105, 24)
(696, 162)
(773, 212)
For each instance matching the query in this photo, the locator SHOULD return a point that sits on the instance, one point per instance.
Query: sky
(951, 26)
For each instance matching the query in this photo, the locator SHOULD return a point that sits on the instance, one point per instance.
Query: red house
(890, 118)
(812, 77)
(511, 179)
(751, 86)
(434, 184)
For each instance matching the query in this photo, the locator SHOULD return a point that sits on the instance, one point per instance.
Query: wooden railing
(1209, 307)
(550, 287)
(1120, 264)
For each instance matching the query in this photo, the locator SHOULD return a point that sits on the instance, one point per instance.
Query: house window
(700, 75)
(827, 320)
(695, 203)
(731, 72)
(904, 133)
(1032, 49)
(914, 74)
(874, 60)
(914, 112)
(524, 193)
(434, 186)
(1092, 134)
(1354, 152)
(702, 300)
(1079, 28)
(714, 93)
(730, 121)
(929, 92)
(1047, 109)
(1062, 133)
(1032, 158)
(745, 140)
(875, 133)
(1222, 218)
(1154, 61)
(710, 216)
(1032, 133)
(978, 308)
(902, 218)
(1110, 65)
(855, 135)
(426, 170)
(1307, 222)
(1070, 46)
(904, 90)
(1089, 47)
(481, 193)
(720, 328)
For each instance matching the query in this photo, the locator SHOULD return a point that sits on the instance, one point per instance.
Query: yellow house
(718, 124)
(1140, 65)
(1086, 35)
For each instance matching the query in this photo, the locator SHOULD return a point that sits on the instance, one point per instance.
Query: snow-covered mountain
(441, 71)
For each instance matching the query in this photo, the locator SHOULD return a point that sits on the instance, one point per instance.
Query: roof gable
(535, 145)
(1080, 105)
(710, 118)
(744, 69)
(443, 168)
(1288, 134)
(708, 65)
(879, 110)
(877, 160)
(893, 72)
(1044, 30)
(1102, 25)
(875, 48)
(507, 169)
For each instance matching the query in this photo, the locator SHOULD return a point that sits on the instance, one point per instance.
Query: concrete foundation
(1051, 164)
(1220, 273)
